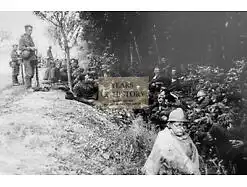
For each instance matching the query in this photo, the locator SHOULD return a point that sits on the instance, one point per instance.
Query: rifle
(36, 69)
(22, 72)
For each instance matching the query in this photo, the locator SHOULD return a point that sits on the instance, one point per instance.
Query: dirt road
(42, 133)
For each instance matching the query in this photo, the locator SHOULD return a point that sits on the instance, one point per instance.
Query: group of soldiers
(167, 110)
(175, 131)
(24, 54)
(84, 83)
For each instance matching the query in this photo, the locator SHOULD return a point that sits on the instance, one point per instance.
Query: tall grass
(132, 148)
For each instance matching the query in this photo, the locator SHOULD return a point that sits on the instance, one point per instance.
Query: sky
(14, 22)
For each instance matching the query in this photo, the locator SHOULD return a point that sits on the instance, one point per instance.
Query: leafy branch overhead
(65, 25)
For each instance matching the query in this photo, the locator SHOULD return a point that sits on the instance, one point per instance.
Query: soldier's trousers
(52, 74)
(47, 74)
(29, 72)
(15, 72)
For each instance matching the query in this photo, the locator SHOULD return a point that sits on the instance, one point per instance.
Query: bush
(136, 138)
(132, 148)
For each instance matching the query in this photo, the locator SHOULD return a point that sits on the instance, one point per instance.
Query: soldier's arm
(22, 44)
(14, 56)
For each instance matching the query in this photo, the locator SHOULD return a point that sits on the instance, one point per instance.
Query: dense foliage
(207, 38)
(227, 107)
(184, 37)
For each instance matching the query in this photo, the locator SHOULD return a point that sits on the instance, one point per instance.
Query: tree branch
(57, 17)
(43, 16)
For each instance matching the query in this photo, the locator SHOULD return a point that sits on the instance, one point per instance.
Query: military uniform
(76, 74)
(49, 54)
(85, 89)
(204, 103)
(49, 58)
(63, 73)
(15, 66)
(29, 63)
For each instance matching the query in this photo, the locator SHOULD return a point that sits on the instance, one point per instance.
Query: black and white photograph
(123, 92)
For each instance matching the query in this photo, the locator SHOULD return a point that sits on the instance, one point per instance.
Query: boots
(15, 80)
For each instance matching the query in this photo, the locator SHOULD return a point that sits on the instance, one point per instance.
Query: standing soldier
(27, 48)
(49, 57)
(15, 65)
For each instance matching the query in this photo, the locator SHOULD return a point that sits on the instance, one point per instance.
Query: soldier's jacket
(26, 41)
(14, 56)
(49, 54)
(76, 72)
(204, 103)
(84, 89)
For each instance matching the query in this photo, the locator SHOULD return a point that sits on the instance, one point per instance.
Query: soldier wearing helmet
(202, 100)
(176, 122)
(173, 149)
(15, 65)
(27, 48)
(201, 93)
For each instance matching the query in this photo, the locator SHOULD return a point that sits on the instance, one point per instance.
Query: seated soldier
(76, 71)
(86, 87)
(156, 83)
(202, 101)
(48, 70)
(63, 72)
(52, 73)
(159, 80)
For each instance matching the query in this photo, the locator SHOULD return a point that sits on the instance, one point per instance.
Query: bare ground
(42, 133)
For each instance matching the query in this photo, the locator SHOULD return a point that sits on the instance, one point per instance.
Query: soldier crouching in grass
(15, 65)
(27, 48)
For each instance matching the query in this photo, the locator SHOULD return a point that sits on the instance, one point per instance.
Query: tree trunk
(67, 52)
(68, 67)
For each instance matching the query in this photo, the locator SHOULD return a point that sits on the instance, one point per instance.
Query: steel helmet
(177, 115)
(201, 93)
